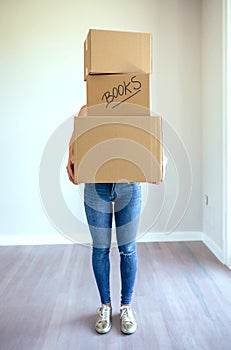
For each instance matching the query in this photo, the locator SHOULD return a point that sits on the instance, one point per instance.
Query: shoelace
(126, 315)
(104, 313)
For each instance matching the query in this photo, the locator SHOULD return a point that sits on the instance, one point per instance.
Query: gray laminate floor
(48, 299)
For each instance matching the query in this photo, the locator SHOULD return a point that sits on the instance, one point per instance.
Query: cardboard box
(118, 149)
(107, 52)
(118, 94)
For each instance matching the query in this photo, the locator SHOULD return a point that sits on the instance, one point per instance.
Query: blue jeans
(101, 201)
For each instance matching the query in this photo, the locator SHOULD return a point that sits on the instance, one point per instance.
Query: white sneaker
(127, 320)
(103, 323)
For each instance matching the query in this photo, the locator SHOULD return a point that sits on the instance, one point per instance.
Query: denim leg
(101, 268)
(127, 215)
(127, 212)
(128, 270)
(98, 208)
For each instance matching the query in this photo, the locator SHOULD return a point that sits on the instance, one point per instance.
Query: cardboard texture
(118, 94)
(117, 149)
(107, 52)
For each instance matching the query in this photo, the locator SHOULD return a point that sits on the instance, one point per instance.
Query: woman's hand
(70, 169)
(70, 163)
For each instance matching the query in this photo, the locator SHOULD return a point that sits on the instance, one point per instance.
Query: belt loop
(113, 187)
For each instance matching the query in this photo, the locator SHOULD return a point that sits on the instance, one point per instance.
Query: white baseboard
(57, 238)
(170, 237)
(215, 249)
(15, 240)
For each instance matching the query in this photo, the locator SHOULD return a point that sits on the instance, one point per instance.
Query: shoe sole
(128, 333)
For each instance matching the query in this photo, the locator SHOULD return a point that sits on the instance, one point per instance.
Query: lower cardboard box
(118, 149)
(118, 94)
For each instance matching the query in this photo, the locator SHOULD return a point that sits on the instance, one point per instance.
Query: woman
(101, 201)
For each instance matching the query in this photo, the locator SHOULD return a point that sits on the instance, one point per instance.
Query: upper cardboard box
(118, 94)
(117, 149)
(107, 52)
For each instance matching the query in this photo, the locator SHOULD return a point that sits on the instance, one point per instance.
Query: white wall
(42, 85)
(212, 120)
(228, 132)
